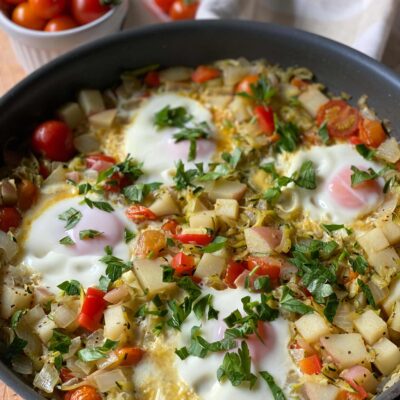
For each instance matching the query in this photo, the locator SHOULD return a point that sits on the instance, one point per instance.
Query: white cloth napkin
(362, 24)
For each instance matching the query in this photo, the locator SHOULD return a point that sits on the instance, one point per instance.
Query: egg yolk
(108, 224)
(351, 197)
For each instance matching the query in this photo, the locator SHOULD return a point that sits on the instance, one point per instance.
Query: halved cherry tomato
(345, 395)
(99, 162)
(203, 73)
(233, 270)
(265, 119)
(194, 238)
(139, 213)
(23, 15)
(170, 226)
(299, 83)
(165, 5)
(9, 218)
(152, 79)
(83, 393)
(14, 1)
(92, 309)
(245, 85)
(27, 194)
(47, 9)
(128, 356)
(310, 365)
(66, 374)
(355, 140)
(53, 139)
(265, 265)
(151, 243)
(183, 9)
(340, 117)
(183, 263)
(86, 11)
(60, 23)
(371, 132)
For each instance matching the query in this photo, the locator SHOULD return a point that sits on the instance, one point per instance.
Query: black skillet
(98, 65)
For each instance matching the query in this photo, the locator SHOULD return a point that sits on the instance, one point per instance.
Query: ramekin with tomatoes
(175, 10)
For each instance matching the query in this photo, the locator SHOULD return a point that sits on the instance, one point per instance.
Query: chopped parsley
(261, 91)
(171, 117)
(359, 176)
(59, 342)
(305, 178)
(217, 244)
(15, 347)
(66, 241)
(128, 235)
(137, 193)
(276, 391)
(84, 188)
(359, 264)
(367, 291)
(289, 303)
(324, 133)
(115, 266)
(104, 283)
(365, 152)
(183, 179)
(289, 138)
(101, 205)
(201, 305)
(97, 353)
(70, 288)
(71, 217)
(89, 234)
(329, 228)
(16, 317)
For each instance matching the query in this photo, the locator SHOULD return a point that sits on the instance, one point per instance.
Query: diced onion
(344, 317)
(106, 362)
(95, 339)
(33, 315)
(116, 295)
(42, 295)
(86, 143)
(109, 379)
(73, 348)
(85, 367)
(176, 74)
(57, 176)
(64, 316)
(9, 247)
(378, 293)
(47, 378)
(386, 209)
(389, 150)
(22, 364)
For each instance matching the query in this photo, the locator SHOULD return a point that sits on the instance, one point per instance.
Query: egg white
(157, 148)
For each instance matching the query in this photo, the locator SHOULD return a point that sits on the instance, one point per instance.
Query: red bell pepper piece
(265, 265)
(265, 118)
(92, 309)
(310, 365)
(233, 270)
(139, 213)
(152, 79)
(199, 239)
(203, 74)
(183, 263)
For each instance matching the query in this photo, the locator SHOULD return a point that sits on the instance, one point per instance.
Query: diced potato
(176, 74)
(371, 326)
(239, 106)
(13, 299)
(65, 316)
(391, 230)
(389, 150)
(204, 219)
(312, 99)
(87, 143)
(165, 205)
(394, 320)
(32, 316)
(72, 114)
(394, 295)
(91, 101)
(373, 241)
(115, 323)
(194, 231)
(195, 205)
(346, 349)
(319, 391)
(262, 239)
(228, 208)
(210, 265)
(385, 262)
(150, 275)
(312, 326)
(44, 329)
(103, 119)
(387, 356)
(361, 376)
(227, 190)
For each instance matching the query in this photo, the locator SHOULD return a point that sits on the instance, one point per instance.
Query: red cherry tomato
(23, 15)
(265, 119)
(152, 79)
(340, 117)
(165, 5)
(245, 85)
(13, 1)
(203, 74)
(183, 9)
(66, 374)
(170, 226)
(61, 23)
(183, 263)
(233, 271)
(83, 393)
(129, 356)
(140, 213)
(9, 218)
(371, 132)
(47, 9)
(53, 139)
(85, 11)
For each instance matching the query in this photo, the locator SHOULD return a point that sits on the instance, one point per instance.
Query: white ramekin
(35, 48)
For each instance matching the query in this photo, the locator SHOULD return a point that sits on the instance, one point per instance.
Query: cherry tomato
(129, 355)
(27, 194)
(355, 140)
(340, 117)
(23, 15)
(151, 243)
(170, 226)
(61, 23)
(183, 9)
(83, 393)
(165, 5)
(233, 270)
(265, 119)
(245, 85)
(9, 218)
(152, 79)
(85, 11)
(14, 1)
(371, 132)
(47, 9)
(194, 238)
(203, 74)
(54, 140)
(299, 83)
(140, 213)
(99, 162)
(266, 266)
(66, 374)
(183, 263)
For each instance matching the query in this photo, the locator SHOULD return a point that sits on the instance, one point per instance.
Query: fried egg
(157, 148)
(55, 262)
(335, 200)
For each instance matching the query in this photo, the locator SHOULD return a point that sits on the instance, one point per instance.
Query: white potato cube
(262, 239)
(373, 241)
(165, 205)
(391, 230)
(387, 356)
(115, 323)
(312, 99)
(44, 329)
(91, 101)
(385, 262)
(394, 320)
(13, 299)
(227, 208)
(210, 265)
(103, 119)
(394, 295)
(227, 190)
(371, 326)
(312, 326)
(204, 219)
(72, 114)
(319, 391)
(346, 349)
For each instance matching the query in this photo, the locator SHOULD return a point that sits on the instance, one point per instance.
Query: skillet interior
(98, 65)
